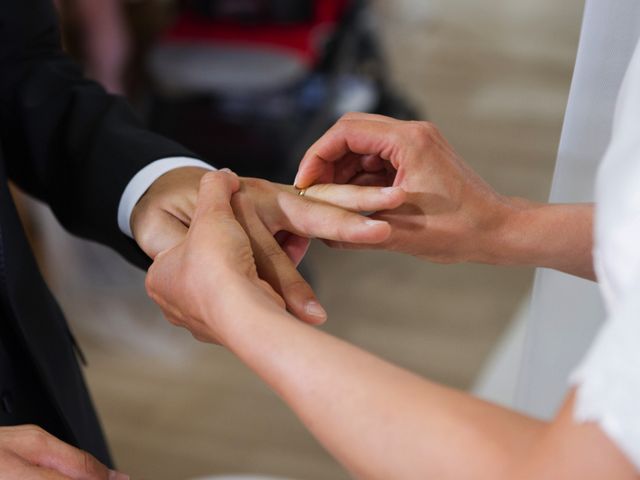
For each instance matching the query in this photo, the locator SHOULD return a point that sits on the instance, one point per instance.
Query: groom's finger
(294, 246)
(309, 218)
(276, 268)
(357, 199)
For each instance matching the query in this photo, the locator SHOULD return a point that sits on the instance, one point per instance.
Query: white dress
(608, 379)
(566, 312)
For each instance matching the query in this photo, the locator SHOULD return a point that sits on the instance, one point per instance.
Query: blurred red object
(304, 39)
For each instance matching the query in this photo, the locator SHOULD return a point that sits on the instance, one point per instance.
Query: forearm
(557, 236)
(64, 139)
(378, 420)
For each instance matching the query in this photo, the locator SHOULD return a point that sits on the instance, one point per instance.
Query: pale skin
(378, 420)
(28, 452)
(451, 215)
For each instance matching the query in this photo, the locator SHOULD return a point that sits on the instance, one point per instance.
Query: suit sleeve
(65, 140)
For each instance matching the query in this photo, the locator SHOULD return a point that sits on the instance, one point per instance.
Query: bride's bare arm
(378, 420)
(383, 422)
(451, 214)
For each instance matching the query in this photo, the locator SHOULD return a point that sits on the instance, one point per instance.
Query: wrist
(558, 236)
(238, 308)
(145, 180)
(510, 241)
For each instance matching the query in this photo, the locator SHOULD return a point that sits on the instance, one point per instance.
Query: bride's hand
(209, 280)
(450, 213)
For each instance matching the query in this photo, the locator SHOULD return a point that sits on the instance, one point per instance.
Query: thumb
(214, 196)
(46, 451)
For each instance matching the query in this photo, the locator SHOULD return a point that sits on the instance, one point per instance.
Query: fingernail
(228, 170)
(389, 190)
(295, 180)
(113, 475)
(374, 223)
(314, 309)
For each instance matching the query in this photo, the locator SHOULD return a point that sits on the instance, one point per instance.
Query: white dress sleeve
(608, 380)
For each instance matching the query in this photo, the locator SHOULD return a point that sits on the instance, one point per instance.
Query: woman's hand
(209, 279)
(451, 214)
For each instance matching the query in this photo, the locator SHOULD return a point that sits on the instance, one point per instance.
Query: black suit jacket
(68, 143)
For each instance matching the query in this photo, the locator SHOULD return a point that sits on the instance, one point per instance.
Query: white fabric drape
(566, 312)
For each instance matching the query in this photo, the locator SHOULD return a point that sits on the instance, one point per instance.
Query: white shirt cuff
(141, 182)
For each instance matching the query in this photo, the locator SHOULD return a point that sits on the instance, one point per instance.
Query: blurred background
(250, 84)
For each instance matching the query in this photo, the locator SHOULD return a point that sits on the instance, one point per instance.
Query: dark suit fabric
(68, 143)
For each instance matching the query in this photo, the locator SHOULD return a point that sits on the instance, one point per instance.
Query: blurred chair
(251, 84)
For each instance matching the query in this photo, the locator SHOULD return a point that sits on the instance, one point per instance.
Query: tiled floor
(494, 75)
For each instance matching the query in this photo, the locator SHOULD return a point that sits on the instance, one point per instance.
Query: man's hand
(28, 452)
(278, 221)
(209, 282)
(451, 214)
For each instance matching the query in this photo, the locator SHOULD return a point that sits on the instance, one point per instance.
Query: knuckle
(340, 128)
(151, 280)
(260, 183)
(149, 284)
(173, 320)
(421, 131)
(201, 336)
(397, 136)
(426, 126)
(32, 427)
(254, 185)
(39, 439)
(350, 116)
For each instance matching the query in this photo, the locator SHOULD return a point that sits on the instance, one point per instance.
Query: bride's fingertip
(301, 180)
(230, 172)
(296, 181)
